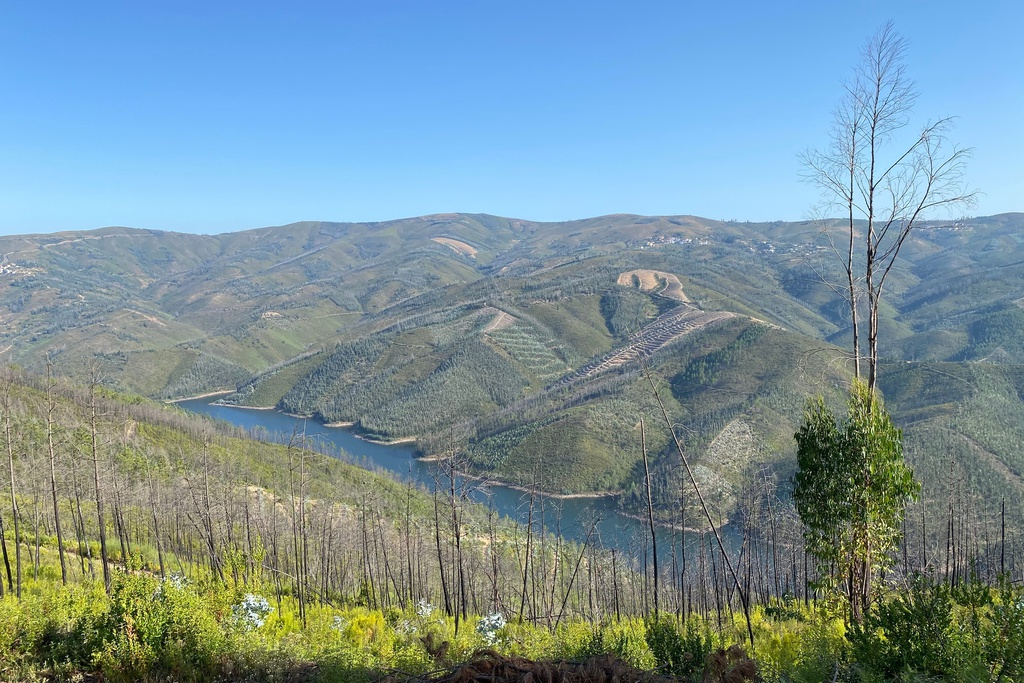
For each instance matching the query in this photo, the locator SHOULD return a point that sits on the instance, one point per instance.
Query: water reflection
(572, 518)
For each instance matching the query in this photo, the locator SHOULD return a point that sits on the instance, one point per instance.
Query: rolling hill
(517, 342)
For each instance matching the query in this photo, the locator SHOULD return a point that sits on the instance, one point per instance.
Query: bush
(57, 628)
(162, 626)
(798, 644)
(72, 625)
(192, 640)
(679, 652)
(906, 633)
(967, 632)
(1004, 641)
(577, 641)
(627, 640)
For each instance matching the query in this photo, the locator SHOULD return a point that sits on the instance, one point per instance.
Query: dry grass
(730, 666)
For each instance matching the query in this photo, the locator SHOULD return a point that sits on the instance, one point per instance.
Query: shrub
(798, 644)
(577, 641)
(158, 626)
(489, 627)
(626, 639)
(71, 624)
(907, 632)
(679, 652)
(251, 612)
(967, 632)
(192, 640)
(1004, 639)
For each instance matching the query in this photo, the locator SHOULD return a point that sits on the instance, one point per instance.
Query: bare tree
(885, 181)
(52, 453)
(94, 456)
(5, 396)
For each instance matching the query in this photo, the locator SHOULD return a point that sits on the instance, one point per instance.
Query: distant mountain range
(518, 343)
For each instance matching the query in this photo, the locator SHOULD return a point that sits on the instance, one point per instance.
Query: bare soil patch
(663, 284)
(500, 322)
(664, 330)
(456, 246)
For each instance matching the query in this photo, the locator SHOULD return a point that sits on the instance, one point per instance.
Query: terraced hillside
(666, 329)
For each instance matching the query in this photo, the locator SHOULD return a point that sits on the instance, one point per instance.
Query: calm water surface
(577, 515)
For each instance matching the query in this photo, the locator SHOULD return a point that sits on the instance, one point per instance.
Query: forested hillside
(141, 543)
(518, 344)
(551, 356)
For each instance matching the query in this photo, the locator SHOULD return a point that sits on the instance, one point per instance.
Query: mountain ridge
(392, 326)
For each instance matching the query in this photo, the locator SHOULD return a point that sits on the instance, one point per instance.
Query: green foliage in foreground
(932, 631)
(851, 492)
(178, 629)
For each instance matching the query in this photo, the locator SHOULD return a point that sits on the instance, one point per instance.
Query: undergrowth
(182, 629)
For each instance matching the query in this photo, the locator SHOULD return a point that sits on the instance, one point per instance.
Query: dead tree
(885, 181)
(9, 440)
(52, 454)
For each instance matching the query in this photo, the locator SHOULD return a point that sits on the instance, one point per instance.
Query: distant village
(14, 269)
(766, 248)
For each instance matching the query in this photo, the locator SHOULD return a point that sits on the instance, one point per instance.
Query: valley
(517, 343)
(506, 398)
(576, 514)
(417, 445)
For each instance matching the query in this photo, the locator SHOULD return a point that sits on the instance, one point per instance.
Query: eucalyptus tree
(852, 484)
(851, 491)
(884, 180)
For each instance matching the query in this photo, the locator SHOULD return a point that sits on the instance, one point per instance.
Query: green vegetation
(523, 345)
(199, 373)
(379, 325)
(998, 334)
(851, 491)
(625, 311)
(198, 629)
(240, 560)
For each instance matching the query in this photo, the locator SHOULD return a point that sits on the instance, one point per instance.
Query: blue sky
(209, 117)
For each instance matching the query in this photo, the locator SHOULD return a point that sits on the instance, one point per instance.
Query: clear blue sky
(217, 116)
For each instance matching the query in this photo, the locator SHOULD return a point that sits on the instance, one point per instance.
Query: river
(573, 517)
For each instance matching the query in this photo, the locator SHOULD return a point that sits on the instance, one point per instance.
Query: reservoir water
(573, 518)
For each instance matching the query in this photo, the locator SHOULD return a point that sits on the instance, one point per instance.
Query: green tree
(851, 491)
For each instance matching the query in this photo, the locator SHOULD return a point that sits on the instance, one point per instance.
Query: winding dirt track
(652, 280)
(500, 322)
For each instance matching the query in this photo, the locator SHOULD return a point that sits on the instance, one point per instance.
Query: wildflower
(252, 612)
(424, 608)
(489, 626)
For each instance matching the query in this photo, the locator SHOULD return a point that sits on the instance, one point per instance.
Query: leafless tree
(52, 453)
(6, 406)
(885, 181)
(94, 456)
